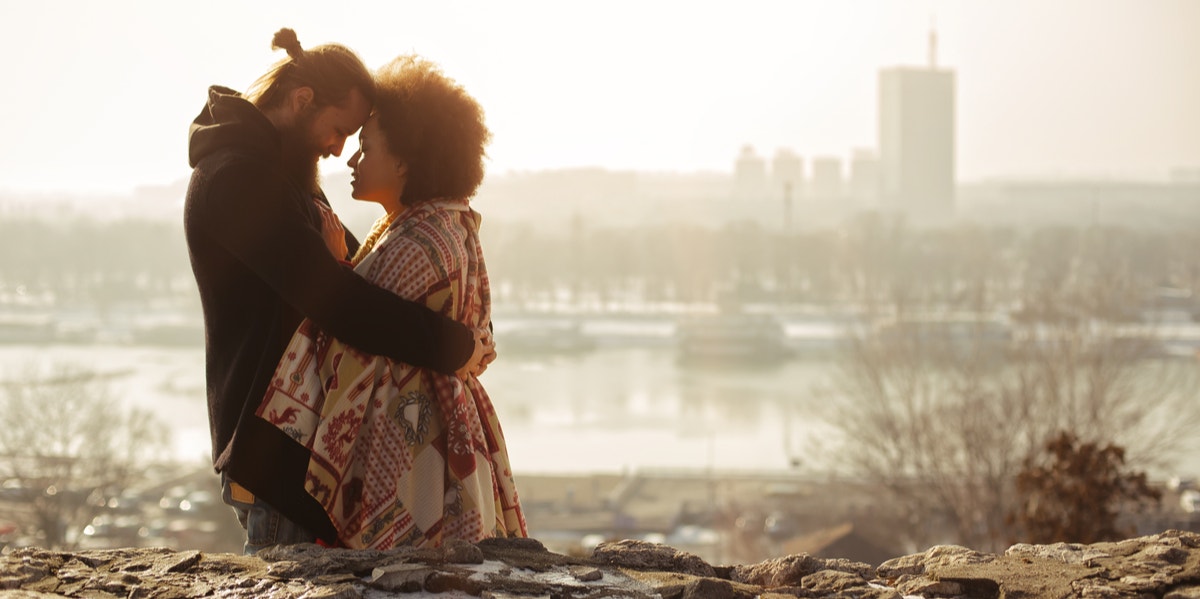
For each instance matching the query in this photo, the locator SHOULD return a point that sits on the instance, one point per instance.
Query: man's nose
(336, 149)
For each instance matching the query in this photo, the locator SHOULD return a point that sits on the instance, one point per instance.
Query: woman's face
(376, 175)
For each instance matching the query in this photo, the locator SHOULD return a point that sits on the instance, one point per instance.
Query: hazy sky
(100, 94)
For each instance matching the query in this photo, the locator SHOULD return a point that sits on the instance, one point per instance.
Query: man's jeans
(263, 524)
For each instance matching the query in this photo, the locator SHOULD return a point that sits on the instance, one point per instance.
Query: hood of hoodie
(229, 122)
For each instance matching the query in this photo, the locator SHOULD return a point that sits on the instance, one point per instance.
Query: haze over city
(756, 271)
(98, 97)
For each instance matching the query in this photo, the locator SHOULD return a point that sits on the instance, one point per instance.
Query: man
(253, 221)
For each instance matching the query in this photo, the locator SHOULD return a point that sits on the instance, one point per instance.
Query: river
(604, 410)
(623, 402)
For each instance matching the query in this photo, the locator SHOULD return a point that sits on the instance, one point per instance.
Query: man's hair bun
(285, 39)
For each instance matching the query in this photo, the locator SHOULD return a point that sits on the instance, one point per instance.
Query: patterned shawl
(403, 455)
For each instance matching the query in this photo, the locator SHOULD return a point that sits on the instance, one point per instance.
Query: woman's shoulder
(441, 208)
(427, 228)
(441, 219)
(431, 237)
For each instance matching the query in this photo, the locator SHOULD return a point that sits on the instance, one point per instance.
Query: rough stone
(444, 582)
(1164, 565)
(954, 555)
(920, 585)
(779, 572)
(397, 577)
(1188, 592)
(341, 591)
(311, 560)
(853, 567)
(48, 584)
(523, 553)
(1164, 553)
(665, 583)
(1067, 553)
(906, 565)
(877, 591)
(713, 588)
(643, 555)
(462, 552)
(585, 573)
(833, 580)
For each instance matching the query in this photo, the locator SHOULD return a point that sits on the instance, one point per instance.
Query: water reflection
(640, 407)
(608, 409)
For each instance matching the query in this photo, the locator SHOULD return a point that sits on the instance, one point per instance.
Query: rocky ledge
(1166, 565)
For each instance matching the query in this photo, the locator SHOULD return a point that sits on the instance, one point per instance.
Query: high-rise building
(916, 138)
(787, 174)
(749, 175)
(827, 181)
(864, 177)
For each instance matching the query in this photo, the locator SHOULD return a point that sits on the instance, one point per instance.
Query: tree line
(873, 262)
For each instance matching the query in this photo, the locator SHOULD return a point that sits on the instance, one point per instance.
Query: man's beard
(300, 153)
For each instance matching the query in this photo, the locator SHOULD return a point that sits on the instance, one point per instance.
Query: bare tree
(69, 445)
(942, 410)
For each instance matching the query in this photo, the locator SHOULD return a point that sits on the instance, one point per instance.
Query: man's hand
(485, 352)
(489, 354)
(333, 232)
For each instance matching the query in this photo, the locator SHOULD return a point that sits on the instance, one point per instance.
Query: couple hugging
(343, 397)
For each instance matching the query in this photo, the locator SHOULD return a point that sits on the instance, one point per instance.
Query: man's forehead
(352, 113)
(358, 110)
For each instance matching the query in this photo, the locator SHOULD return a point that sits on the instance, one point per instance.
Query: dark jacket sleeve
(352, 244)
(255, 219)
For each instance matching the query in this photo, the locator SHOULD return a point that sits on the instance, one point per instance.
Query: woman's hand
(333, 232)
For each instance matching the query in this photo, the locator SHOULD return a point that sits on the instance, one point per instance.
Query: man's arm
(251, 216)
(352, 244)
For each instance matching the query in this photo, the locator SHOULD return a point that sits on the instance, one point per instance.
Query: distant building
(827, 181)
(916, 139)
(864, 177)
(749, 176)
(1073, 202)
(787, 175)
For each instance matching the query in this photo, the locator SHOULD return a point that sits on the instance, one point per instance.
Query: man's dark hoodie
(261, 264)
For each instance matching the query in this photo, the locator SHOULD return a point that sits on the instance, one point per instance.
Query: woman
(404, 455)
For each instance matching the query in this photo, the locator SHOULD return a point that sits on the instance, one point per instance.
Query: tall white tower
(916, 138)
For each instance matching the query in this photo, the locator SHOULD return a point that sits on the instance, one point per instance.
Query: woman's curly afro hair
(434, 126)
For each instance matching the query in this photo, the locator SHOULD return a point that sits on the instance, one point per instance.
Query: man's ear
(300, 98)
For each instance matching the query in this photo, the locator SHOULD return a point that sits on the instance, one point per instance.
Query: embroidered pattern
(413, 413)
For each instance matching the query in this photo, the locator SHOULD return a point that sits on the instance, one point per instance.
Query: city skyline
(101, 97)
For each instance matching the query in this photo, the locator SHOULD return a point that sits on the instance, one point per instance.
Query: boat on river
(17, 329)
(731, 338)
